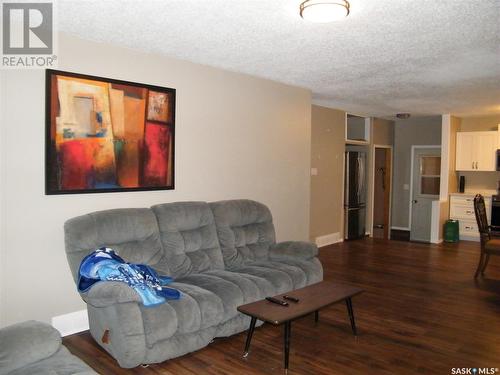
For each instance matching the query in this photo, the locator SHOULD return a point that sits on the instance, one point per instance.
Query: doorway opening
(382, 181)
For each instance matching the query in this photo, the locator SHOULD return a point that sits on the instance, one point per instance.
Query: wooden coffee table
(311, 299)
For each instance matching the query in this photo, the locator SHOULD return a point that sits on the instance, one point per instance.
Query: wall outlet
(314, 171)
(406, 187)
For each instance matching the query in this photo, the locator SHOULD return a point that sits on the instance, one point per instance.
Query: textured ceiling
(388, 56)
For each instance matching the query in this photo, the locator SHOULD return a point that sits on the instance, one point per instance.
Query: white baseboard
(71, 323)
(328, 239)
(440, 240)
(400, 228)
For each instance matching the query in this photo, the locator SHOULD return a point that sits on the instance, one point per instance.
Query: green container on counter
(451, 232)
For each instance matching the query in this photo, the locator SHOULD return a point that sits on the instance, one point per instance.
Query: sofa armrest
(293, 250)
(108, 293)
(26, 343)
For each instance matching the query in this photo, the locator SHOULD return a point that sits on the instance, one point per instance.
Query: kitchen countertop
(485, 193)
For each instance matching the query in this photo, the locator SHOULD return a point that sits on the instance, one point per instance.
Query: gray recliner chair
(221, 255)
(35, 348)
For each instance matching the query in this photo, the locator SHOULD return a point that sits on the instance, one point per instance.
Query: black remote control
(290, 298)
(277, 301)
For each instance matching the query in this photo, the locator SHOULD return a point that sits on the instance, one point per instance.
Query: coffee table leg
(348, 303)
(288, 328)
(316, 316)
(249, 336)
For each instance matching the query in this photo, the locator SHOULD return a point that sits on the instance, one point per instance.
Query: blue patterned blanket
(105, 265)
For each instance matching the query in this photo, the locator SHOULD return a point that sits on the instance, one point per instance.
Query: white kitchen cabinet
(465, 157)
(476, 151)
(486, 156)
(462, 209)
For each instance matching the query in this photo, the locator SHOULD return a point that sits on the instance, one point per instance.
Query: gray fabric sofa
(221, 255)
(35, 348)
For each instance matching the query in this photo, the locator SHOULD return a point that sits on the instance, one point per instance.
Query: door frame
(413, 148)
(372, 193)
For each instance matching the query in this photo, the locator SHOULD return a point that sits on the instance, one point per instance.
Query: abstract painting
(105, 135)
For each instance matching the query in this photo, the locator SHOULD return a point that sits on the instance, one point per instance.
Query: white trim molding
(401, 228)
(445, 157)
(328, 239)
(69, 324)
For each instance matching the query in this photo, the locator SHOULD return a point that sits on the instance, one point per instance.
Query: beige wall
(455, 124)
(479, 123)
(449, 183)
(327, 155)
(236, 137)
(480, 181)
(383, 132)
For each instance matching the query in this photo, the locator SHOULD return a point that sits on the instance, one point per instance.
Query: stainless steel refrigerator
(355, 195)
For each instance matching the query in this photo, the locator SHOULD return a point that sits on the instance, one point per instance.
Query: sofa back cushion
(189, 238)
(132, 232)
(245, 230)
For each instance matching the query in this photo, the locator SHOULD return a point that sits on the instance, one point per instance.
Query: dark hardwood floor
(421, 312)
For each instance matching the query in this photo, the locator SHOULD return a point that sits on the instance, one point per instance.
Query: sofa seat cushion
(312, 268)
(61, 363)
(253, 287)
(296, 274)
(176, 346)
(229, 293)
(160, 322)
(239, 323)
(280, 280)
(293, 250)
(197, 309)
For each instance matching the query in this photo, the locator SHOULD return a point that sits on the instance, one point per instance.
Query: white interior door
(425, 189)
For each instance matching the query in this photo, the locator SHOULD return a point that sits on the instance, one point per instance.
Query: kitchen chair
(489, 246)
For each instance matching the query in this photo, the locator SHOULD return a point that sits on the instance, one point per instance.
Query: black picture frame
(76, 162)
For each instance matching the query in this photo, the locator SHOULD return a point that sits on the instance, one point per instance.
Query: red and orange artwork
(105, 135)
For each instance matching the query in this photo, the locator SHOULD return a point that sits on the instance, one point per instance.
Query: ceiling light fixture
(322, 11)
